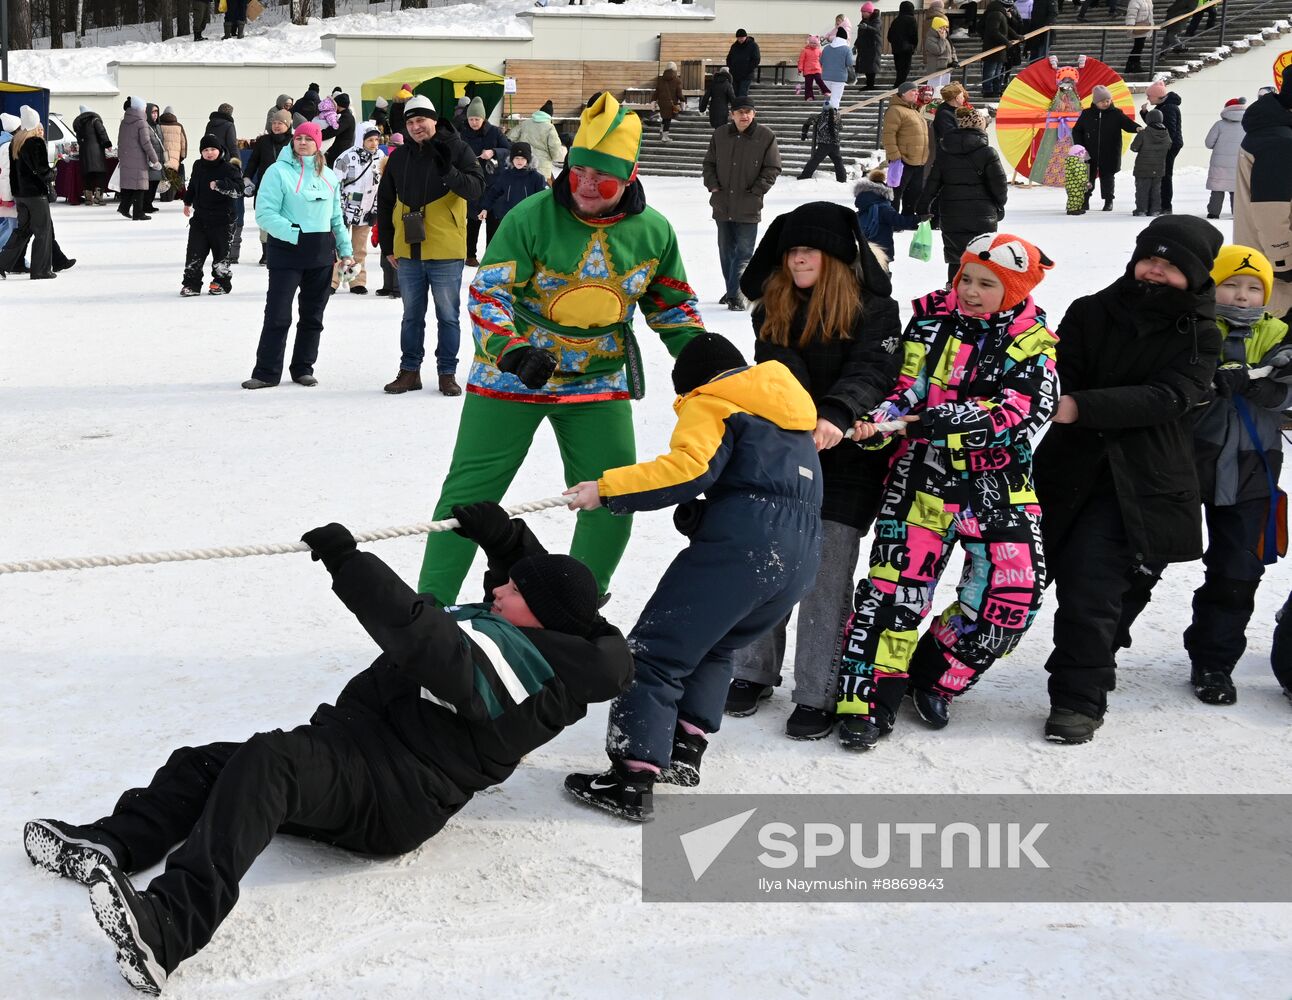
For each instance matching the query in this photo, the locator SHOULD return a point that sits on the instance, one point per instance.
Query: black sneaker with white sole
(684, 769)
(70, 851)
(856, 732)
(743, 698)
(808, 723)
(130, 920)
(619, 791)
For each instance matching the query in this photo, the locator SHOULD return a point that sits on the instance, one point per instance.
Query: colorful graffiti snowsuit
(982, 388)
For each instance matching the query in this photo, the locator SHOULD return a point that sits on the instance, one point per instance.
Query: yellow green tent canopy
(443, 85)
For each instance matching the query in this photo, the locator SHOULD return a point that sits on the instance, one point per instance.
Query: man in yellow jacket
(743, 439)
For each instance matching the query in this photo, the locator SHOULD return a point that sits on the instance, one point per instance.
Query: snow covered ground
(122, 428)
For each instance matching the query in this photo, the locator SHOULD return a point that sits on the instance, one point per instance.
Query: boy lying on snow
(456, 699)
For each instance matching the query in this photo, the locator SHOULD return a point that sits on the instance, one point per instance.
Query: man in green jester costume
(552, 311)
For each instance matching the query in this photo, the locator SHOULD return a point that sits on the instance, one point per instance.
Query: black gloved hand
(441, 156)
(1231, 379)
(486, 524)
(532, 365)
(687, 516)
(332, 544)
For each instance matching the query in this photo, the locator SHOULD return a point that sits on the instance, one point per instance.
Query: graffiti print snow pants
(997, 599)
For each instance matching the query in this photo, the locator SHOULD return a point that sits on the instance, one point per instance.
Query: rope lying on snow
(238, 552)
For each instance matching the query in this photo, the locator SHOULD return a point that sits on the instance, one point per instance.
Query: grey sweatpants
(822, 613)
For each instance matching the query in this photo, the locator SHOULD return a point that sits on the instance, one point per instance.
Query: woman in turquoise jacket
(299, 206)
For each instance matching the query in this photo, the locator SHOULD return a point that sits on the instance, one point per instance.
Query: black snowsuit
(1101, 133)
(970, 187)
(409, 741)
(211, 227)
(1119, 487)
(825, 129)
(342, 136)
(718, 98)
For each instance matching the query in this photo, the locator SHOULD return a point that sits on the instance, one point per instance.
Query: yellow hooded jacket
(748, 429)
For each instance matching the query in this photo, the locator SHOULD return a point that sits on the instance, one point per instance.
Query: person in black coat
(508, 188)
(997, 30)
(31, 179)
(848, 372)
(1169, 105)
(903, 39)
(1115, 476)
(211, 197)
(969, 185)
(868, 47)
(1099, 128)
(719, 96)
(954, 97)
(343, 135)
(308, 106)
(93, 143)
(457, 698)
(743, 59)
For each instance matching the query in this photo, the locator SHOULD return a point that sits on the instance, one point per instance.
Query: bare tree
(302, 11)
(55, 24)
(407, 4)
(329, 8)
(183, 25)
(19, 24)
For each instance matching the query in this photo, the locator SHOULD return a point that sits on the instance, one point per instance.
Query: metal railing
(881, 101)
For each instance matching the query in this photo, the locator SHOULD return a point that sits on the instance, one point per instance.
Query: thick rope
(238, 552)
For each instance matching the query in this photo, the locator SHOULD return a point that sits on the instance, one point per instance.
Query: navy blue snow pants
(751, 560)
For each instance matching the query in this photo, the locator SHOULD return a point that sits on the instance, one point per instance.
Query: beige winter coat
(906, 136)
(174, 141)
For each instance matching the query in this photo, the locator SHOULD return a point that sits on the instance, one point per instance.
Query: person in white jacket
(9, 124)
(359, 170)
(1225, 140)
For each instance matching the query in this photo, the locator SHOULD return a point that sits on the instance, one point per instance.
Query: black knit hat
(522, 149)
(210, 142)
(560, 591)
(703, 357)
(824, 226)
(1190, 243)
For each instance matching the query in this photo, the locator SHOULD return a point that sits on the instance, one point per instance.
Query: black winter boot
(808, 723)
(858, 733)
(744, 697)
(70, 851)
(131, 920)
(685, 767)
(1067, 726)
(1213, 687)
(933, 707)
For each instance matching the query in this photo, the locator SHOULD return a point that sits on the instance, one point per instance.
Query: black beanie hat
(548, 107)
(704, 356)
(560, 591)
(209, 142)
(825, 226)
(1190, 243)
(522, 149)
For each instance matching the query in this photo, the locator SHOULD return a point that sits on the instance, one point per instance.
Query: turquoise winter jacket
(295, 202)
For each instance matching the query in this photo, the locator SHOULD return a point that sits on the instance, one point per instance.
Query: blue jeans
(8, 225)
(735, 247)
(443, 279)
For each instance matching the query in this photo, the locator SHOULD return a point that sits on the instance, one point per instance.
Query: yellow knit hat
(1236, 259)
(939, 22)
(609, 139)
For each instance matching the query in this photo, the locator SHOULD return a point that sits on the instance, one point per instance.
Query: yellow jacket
(749, 429)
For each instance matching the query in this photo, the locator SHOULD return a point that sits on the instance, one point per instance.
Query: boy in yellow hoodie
(744, 439)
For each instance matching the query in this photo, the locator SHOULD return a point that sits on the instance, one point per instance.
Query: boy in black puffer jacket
(969, 185)
(508, 188)
(456, 699)
(1115, 475)
(1151, 146)
(211, 198)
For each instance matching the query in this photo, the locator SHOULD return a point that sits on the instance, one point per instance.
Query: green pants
(494, 436)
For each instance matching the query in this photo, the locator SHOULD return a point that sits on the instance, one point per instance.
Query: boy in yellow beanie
(1238, 452)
